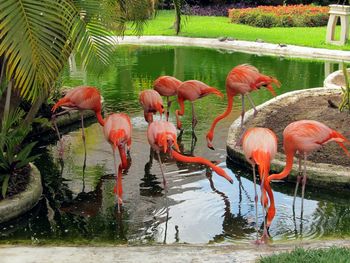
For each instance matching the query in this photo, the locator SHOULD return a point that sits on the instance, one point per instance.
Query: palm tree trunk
(177, 23)
(34, 110)
(8, 100)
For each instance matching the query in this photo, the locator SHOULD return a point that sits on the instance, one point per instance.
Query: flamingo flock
(259, 145)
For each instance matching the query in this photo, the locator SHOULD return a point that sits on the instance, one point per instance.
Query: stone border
(24, 201)
(320, 174)
(174, 253)
(330, 80)
(241, 46)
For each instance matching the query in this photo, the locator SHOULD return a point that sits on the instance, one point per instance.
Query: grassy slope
(212, 27)
(298, 255)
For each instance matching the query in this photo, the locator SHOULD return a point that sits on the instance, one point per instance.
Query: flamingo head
(222, 173)
(167, 141)
(209, 137)
(160, 108)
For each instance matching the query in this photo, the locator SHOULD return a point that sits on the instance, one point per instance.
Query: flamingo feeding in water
(242, 79)
(260, 147)
(80, 98)
(117, 131)
(167, 86)
(162, 138)
(151, 103)
(192, 90)
(305, 136)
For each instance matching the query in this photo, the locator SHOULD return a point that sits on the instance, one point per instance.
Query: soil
(311, 108)
(18, 181)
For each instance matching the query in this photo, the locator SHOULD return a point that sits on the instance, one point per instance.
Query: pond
(78, 206)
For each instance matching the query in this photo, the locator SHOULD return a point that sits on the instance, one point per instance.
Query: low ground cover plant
(281, 16)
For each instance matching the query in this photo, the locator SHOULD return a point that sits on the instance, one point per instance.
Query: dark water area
(78, 206)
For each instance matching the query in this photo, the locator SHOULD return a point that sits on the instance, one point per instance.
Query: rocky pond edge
(22, 202)
(319, 174)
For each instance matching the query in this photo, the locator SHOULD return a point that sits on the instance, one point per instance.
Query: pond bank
(260, 48)
(20, 203)
(319, 174)
(157, 253)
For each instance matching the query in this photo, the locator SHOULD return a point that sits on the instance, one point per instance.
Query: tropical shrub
(14, 155)
(281, 16)
(345, 103)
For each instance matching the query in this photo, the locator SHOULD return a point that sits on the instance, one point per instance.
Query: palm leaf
(33, 38)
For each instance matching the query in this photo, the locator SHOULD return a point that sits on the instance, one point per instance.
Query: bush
(281, 16)
(14, 156)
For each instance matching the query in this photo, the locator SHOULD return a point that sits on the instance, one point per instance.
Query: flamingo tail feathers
(211, 90)
(340, 139)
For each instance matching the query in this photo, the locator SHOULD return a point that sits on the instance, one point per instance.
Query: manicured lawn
(334, 254)
(212, 27)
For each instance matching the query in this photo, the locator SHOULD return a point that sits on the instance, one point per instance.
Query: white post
(335, 12)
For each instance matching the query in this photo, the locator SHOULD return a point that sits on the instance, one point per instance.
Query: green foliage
(345, 103)
(37, 37)
(13, 154)
(214, 27)
(333, 254)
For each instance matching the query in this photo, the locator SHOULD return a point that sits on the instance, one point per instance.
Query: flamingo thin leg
(168, 108)
(298, 181)
(117, 174)
(256, 203)
(162, 171)
(252, 103)
(303, 183)
(194, 118)
(242, 113)
(83, 132)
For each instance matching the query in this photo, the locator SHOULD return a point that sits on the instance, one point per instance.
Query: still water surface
(79, 206)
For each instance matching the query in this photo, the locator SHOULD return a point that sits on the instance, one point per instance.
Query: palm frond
(33, 38)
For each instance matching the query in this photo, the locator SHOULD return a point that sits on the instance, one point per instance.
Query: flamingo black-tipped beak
(231, 181)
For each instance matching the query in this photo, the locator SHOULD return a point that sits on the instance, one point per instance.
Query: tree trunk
(34, 110)
(177, 23)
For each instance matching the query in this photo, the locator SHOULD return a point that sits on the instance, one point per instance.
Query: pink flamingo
(304, 137)
(162, 138)
(242, 79)
(117, 131)
(260, 147)
(167, 86)
(151, 103)
(80, 98)
(192, 90)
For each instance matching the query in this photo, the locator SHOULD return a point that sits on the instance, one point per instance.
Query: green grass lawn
(213, 27)
(334, 254)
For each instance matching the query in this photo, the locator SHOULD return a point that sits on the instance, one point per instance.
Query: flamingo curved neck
(100, 118)
(124, 161)
(223, 115)
(285, 172)
(190, 159)
(180, 112)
